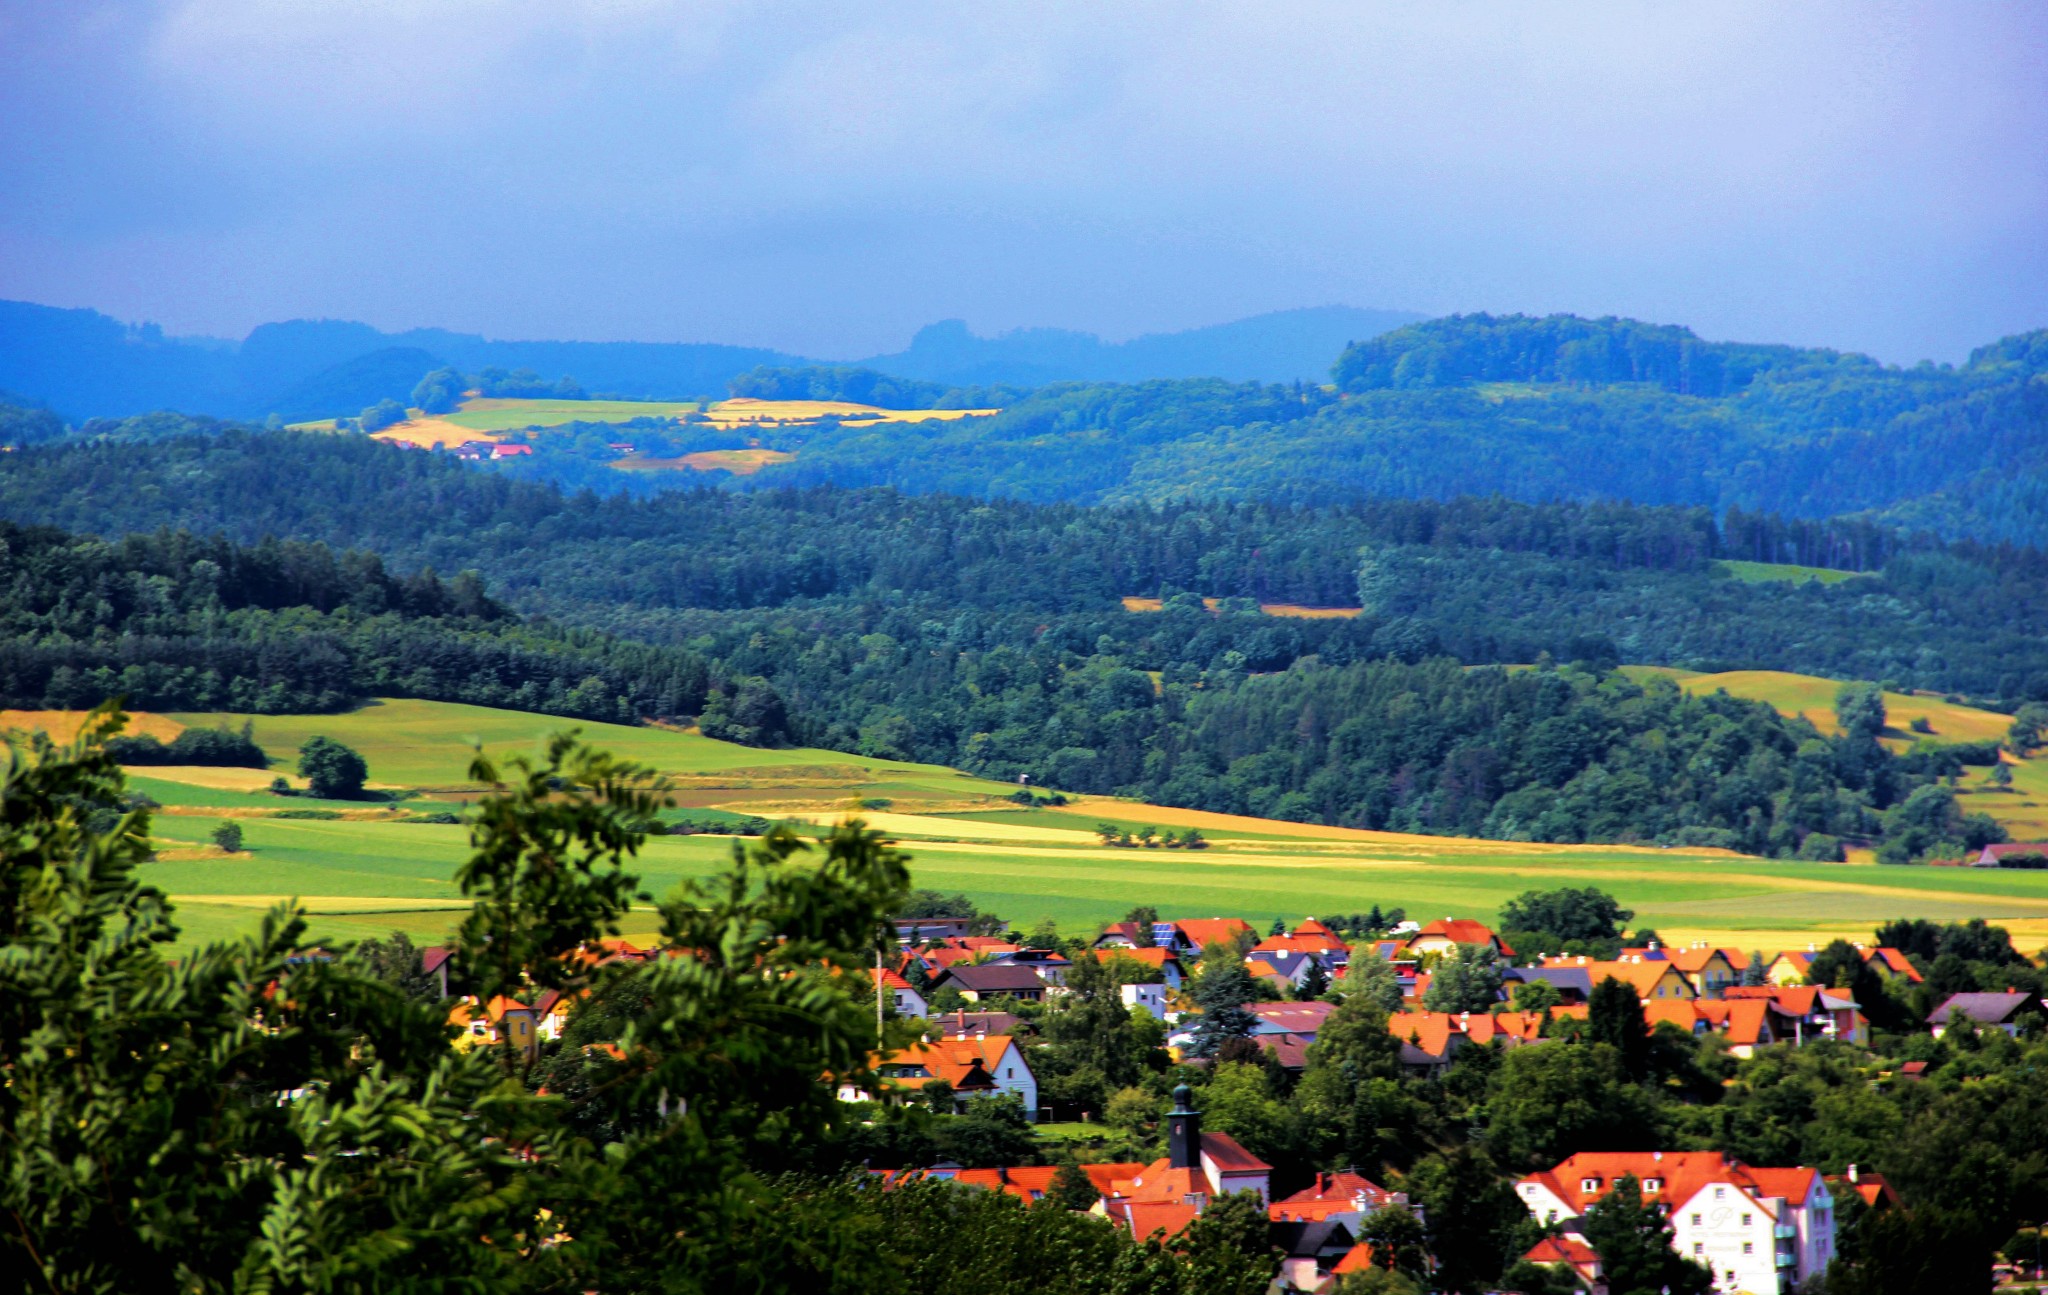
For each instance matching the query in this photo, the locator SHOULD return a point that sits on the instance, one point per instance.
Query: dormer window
(1589, 1184)
(1653, 1184)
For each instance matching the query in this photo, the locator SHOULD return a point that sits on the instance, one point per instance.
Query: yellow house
(1790, 968)
(1652, 979)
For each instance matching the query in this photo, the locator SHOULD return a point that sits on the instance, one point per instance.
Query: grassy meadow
(373, 867)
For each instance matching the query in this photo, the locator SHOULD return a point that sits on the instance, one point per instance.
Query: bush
(208, 746)
(228, 836)
(1822, 848)
(331, 770)
(383, 414)
(307, 813)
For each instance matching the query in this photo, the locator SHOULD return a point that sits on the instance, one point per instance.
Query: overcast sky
(827, 177)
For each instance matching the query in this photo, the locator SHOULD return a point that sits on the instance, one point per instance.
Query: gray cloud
(826, 177)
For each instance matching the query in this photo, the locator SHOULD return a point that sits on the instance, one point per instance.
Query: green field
(508, 415)
(1785, 573)
(373, 873)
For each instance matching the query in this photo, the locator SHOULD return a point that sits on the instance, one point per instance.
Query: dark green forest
(1365, 730)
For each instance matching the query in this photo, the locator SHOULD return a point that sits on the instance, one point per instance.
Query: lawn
(1785, 573)
(1814, 697)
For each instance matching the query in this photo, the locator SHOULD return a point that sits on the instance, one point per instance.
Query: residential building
(1988, 1011)
(1572, 983)
(1651, 977)
(986, 1066)
(1568, 1252)
(1758, 1016)
(1150, 997)
(1345, 1197)
(1791, 966)
(1711, 970)
(1280, 971)
(979, 981)
(501, 1020)
(1162, 960)
(1027, 1182)
(961, 1024)
(1430, 1040)
(1309, 1253)
(1994, 856)
(1123, 935)
(1891, 964)
(1304, 1019)
(1190, 936)
(899, 993)
(1452, 932)
(1758, 1229)
(916, 930)
(1050, 966)
(434, 962)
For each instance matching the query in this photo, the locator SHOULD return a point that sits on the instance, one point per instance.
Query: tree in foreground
(247, 1118)
(1633, 1240)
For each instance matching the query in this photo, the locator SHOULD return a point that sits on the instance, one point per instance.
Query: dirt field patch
(62, 725)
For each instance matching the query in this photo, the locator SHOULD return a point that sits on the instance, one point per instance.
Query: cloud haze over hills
(824, 180)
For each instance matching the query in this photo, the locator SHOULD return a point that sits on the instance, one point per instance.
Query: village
(975, 999)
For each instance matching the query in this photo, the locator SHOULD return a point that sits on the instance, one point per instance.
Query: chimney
(1183, 1132)
(1852, 1173)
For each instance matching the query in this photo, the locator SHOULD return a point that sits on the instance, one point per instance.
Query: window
(1699, 1247)
(1589, 1184)
(1749, 1247)
(1528, 1189)
(1720, 1192)
(1551, 1217)
(1695, 1220)
(1653, 1184)
(1745, 1220)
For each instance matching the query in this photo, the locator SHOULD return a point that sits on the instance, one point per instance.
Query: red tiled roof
(1897, 961)
(1330, 1194)
(1463, 930)
(1299, 943)
(1561, 1250)
(1205, 931)
(1357, 1261)
(1683, 1173)
(1153, 1218)
(1151, 957)
(953, 1060)
(1228, 1157)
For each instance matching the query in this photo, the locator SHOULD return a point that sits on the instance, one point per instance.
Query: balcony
(1785, 1231)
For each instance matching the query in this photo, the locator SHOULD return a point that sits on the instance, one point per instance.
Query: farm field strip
(371, 872)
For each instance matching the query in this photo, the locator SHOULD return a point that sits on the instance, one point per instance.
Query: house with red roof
(987, 1066)
(1758, 1229)
(1026, 1182)
(1430, 1040)
(1124, 935)
(1452, 932)
(900, 993)
(1189, 936)
(1568, 1252)
(502, 1020)
(1172, 1192)
(1994, 856)
(1890, 963)
(1346, 1197)
(1171, 974)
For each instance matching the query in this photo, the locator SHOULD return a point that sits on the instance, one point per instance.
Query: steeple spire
(1183, 1131)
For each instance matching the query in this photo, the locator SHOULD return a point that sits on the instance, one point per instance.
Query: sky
(825, 178)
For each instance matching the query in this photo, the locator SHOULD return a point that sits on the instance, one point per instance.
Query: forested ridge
(1486, 580)
(174, 622)
(1372, 729)
(1534, 409)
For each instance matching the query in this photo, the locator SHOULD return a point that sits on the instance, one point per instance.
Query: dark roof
(994, 978)
(1309, 1240)
(1291, 1050)
(1985, 1009)
(432, 958)
(1564, 978)
(951, 1024)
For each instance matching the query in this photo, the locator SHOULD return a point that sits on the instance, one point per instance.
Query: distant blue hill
(84, 364)
(1283, 346)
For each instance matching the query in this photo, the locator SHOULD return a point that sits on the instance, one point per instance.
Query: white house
(1150, 997)
(1760, 1230)
(974, 1067)
(901, 994)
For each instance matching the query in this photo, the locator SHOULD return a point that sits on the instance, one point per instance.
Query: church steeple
(1183, 1132)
